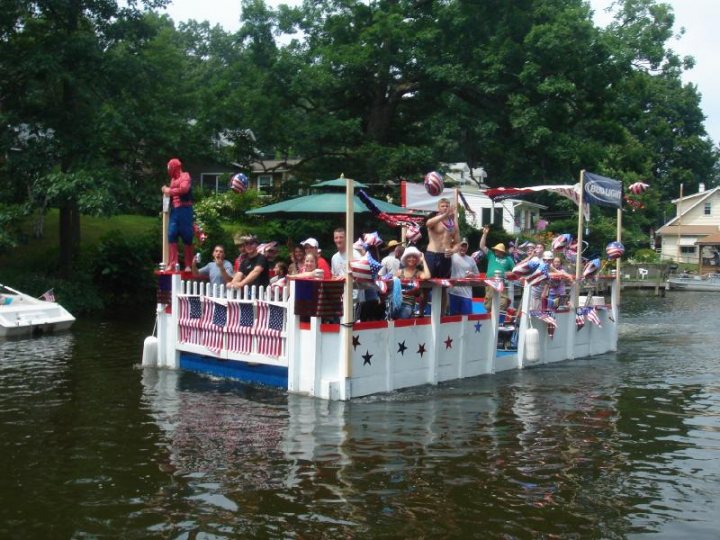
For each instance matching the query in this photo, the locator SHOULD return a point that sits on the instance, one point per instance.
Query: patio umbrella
(324, 203)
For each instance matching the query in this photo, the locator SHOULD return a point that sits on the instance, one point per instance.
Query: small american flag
(268, 327)
(214, 321)
(241, 318)
(548, 319)
(592, 316)
(579, 319)
(48, 296)
(365, 269)
(190, 313)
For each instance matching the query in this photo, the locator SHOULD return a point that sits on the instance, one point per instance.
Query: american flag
(268, 328)
(48, 296)
(213, 322)
(190, 313)
(241, 319)
(548, 319)
(315, 298)
(592, 316)
(539, 275)
(580, 318)
(496, 284)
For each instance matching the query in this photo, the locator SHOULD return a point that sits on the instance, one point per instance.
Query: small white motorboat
(685, 282)
(21, 314)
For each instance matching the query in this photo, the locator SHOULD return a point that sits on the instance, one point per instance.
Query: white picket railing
(241, 329)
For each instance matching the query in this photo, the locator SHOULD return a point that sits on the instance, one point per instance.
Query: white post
(578, 257)
(347, 320)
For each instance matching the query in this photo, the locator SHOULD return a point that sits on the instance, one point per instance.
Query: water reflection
(611, 446)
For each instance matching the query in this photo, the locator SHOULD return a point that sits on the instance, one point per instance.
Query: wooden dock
(659, 287)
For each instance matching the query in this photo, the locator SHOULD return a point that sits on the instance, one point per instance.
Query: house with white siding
(697, 218)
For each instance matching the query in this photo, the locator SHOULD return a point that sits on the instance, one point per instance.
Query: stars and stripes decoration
(48, 296)
(365, 269)
(241, 319)
(548, 319)
(214, 320)
(189, 316)
(540, 274)
(314, 298)
(269, 326)
(592, 316)
(638, 187)
(394, 220)
(579, 319)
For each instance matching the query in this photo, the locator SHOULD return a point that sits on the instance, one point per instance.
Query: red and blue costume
(181, 212)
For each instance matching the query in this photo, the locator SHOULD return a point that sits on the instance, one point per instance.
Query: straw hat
(392, 244)
(499, 247)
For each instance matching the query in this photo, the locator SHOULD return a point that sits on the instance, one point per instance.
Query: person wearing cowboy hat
(499, 263)
(391, 262)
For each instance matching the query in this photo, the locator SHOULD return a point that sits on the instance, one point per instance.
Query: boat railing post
(571, 325)
(494, 327)
(435, 321)
(293, 341)
(523, 323)
(172, 357)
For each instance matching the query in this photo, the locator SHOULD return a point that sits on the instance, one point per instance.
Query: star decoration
(478, 326)
(421, 350)
(448, 343)
(356, 342)
(402, 348)
(366, 358)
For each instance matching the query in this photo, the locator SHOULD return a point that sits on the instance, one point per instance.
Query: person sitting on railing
(539, 291)
(413, 269)
(254, 268)
(219, 271)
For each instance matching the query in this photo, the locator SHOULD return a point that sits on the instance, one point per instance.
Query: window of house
(209, 181)
(265, 182)
(708, 208)
(687, 250)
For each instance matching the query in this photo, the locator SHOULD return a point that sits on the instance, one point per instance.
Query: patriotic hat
(614, 250)
(591, 267)
(560, 241)
(527, 267)
(365, 269)
(434, 183)
(410, 251)
(638, 187)
(239, 183)
(413, 234)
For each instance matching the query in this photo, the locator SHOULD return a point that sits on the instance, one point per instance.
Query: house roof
(711, 239)
(700, 198)
(272, 165)
(694, 230)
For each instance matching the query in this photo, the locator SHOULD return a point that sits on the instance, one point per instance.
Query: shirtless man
(444, 240)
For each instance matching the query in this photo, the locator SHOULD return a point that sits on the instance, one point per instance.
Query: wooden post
(348, 315)
(165, 226)
(578, 257)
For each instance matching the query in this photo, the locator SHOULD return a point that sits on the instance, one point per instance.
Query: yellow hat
(499, 247)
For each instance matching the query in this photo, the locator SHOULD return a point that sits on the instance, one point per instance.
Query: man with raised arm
(498, 264)
(444, 239)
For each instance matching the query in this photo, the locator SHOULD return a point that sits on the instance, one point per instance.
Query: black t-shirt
(247, 265)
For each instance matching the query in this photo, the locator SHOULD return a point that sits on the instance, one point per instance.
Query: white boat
(22, 314)
(280, 337)
(684, 282)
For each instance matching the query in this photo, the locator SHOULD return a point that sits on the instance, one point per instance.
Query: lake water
(615, 446)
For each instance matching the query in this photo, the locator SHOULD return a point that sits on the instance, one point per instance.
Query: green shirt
(503, 264)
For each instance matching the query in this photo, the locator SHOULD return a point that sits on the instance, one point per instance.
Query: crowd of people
(446, 257)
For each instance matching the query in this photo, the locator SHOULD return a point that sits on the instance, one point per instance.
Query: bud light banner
(603, 191)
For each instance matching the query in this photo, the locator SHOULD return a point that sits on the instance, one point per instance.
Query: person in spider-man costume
(181, 212)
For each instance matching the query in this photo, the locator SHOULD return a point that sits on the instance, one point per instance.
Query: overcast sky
(698, 17)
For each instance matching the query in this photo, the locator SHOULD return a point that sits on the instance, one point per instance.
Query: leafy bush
(122, 267)
(646, 255)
